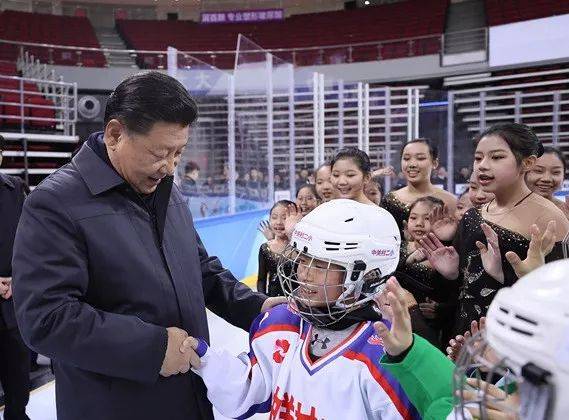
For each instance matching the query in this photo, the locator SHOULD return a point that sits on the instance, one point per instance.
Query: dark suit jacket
(12, 195)
(96, 282)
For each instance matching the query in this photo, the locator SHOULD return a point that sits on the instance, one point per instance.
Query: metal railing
(27, 102)
(324, 54)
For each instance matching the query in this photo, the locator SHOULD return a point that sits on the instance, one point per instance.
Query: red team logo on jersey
(281, 347)
(375, 340)
(286, 408)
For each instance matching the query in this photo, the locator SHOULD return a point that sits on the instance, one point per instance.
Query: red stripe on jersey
(253, 363)
(276, 327)
(382, 381)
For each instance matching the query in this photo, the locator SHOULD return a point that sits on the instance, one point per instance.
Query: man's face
(143, 160)
(254, 174)
(195, 174)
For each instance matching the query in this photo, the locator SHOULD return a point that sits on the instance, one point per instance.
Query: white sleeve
(235, 386)
(388, 412)
(381, 406)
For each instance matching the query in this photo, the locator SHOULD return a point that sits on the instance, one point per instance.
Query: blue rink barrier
(234, 239)
(203, 206)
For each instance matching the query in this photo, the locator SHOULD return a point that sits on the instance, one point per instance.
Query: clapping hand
(539, 246)
(442, 258)
(416, 257)
(387, 171)
(293, 216)
(499, 405)
(406, 235)
(455, 344)
(443, 223)
(490, 255)
(265, 229)
(400, 337)
(429, 308)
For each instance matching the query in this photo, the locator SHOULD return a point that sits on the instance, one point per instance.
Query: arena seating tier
(11, 97)
(500, 12)
(50, 29)
(412, 18)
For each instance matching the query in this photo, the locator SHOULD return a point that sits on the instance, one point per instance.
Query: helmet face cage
(328, 299)
(478, 362)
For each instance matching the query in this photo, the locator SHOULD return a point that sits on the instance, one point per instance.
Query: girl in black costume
(269, 252)
(491, 247)
(418, 159)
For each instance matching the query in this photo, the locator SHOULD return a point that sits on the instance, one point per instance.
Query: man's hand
(175, 361)
(272, 302)
(6, 287)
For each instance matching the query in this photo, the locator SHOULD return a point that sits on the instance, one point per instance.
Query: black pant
(14, 374)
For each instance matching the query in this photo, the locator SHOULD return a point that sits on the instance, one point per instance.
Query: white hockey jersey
(279, 377)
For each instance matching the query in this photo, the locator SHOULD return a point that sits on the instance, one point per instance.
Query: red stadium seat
(13, 109)
(41, 112)
(49, 29)
(500, 12)
(8, 68)
(410, 18)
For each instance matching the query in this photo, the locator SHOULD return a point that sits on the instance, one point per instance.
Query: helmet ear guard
(359, 268)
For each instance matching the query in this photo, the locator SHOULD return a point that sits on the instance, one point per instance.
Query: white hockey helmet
(526, 341)
(363, 240)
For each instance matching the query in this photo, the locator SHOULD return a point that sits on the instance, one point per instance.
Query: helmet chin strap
(364, 312)
(320, 317)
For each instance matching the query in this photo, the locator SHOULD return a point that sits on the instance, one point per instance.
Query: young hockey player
(318, 357)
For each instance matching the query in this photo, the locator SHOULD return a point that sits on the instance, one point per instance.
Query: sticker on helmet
(382, 252)
(302, 235)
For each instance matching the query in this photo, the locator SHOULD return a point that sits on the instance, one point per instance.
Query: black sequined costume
(477, 287)
(419, 278)
(268, 281)
(398, 209)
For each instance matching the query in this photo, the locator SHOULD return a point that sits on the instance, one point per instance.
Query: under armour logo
(323, 343)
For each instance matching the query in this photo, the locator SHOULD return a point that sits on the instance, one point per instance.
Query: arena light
(366, 2)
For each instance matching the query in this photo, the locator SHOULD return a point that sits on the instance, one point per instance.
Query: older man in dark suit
(110, 275)
(14, 355)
